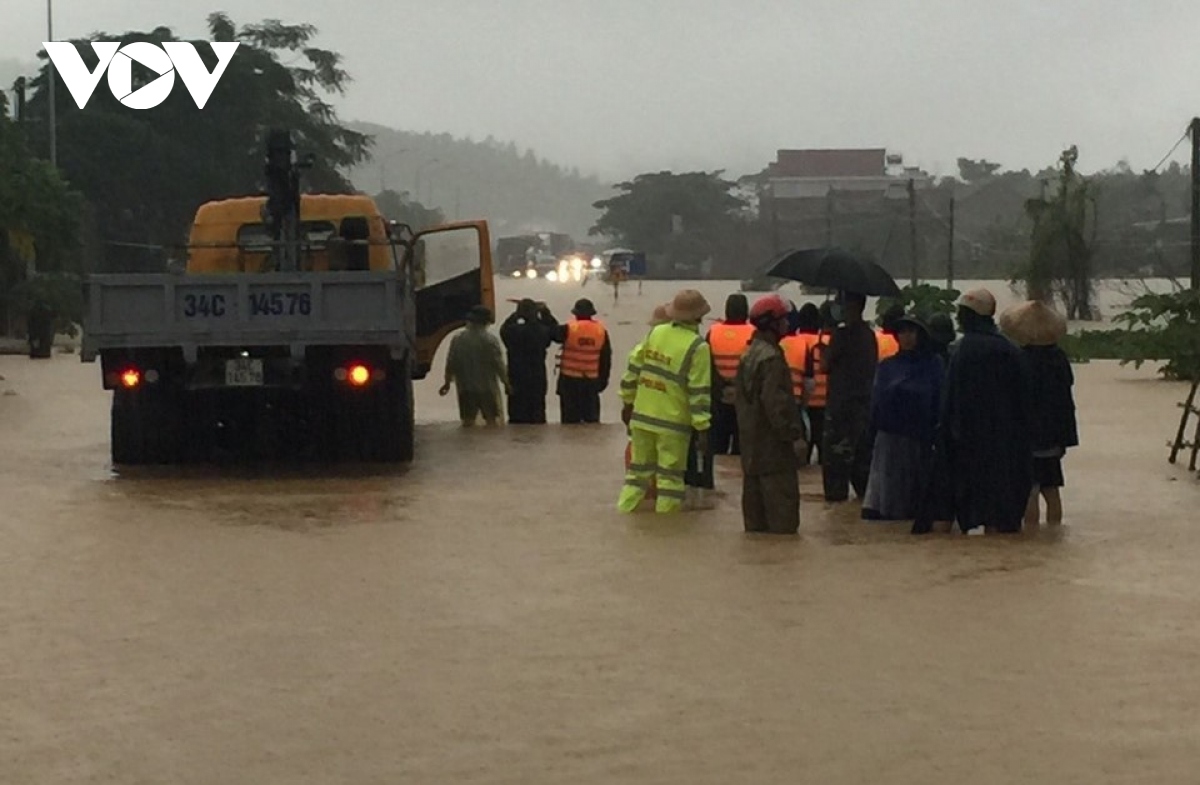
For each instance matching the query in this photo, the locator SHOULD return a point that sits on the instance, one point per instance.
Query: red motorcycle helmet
(768, 310)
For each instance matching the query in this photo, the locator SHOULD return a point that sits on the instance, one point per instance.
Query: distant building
(838, 197)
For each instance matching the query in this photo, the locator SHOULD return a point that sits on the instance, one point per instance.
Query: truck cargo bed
(257, 309)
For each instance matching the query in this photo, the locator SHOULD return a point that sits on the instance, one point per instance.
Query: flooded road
(485, 615)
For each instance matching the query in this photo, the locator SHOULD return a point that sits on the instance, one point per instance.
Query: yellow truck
(296, 327)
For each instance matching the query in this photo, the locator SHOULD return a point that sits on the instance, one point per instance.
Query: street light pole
(53, 79)
(420, 168)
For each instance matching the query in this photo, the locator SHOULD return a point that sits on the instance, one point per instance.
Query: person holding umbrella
(850, 360)
(850, 364)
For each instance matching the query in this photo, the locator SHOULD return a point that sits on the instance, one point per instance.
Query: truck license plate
(244, 372)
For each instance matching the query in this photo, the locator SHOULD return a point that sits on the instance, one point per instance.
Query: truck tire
(146, 427)
(395, 440)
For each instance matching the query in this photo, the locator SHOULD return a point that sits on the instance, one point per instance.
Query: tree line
(1054, 228)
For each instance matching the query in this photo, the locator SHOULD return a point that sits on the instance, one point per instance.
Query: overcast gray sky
(621, 86)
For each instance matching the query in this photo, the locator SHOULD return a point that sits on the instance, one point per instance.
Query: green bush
(923, 300)
(1164, 327)
(59, 293)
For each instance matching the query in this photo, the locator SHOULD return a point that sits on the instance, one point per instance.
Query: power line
(1186, 133)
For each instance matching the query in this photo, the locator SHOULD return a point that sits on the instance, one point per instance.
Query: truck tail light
(357, 374)
(130, 378)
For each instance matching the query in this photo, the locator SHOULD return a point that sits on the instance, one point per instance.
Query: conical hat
(688, 306)
(1033, 323)
(660, 314)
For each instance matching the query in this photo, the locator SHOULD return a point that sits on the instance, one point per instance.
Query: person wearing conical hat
(985, 423)
(584, 365)
(667, 405)
(1038, 328)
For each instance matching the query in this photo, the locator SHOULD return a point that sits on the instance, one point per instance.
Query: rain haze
(617, 87)
(252, 529)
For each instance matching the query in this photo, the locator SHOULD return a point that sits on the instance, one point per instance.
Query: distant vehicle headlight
(531, 273)
(597, 262)
(517, 274)
(552, 276)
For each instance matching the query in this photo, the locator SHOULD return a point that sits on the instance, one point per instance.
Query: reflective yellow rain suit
(668, 382)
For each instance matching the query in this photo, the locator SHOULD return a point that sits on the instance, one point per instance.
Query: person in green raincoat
(475, 365)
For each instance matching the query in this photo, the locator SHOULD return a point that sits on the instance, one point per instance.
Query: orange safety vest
(581, 351)
(887, 344)
(800, 350)
(729, 342)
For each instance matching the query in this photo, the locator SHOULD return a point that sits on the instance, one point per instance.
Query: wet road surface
(486, 616)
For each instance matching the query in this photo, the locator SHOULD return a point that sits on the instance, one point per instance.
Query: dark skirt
(897, 478)
(1047, 472)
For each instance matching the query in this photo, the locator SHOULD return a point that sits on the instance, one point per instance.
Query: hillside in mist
(512, 188)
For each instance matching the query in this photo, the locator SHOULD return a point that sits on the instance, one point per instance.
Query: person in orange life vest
(802, 350)
(729, 340)
(885, 334)
(584, 365)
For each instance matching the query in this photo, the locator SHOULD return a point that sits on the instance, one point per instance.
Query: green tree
(396, 206)
(683, 217)
(971, 171)
(146, 172)
(36, 205)
(1064, 226)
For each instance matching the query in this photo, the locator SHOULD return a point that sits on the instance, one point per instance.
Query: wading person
(475, 366)
(729, 339)
(669, 405)
(629, 384)
(850, 364)
(1038, 328)
(904, 412)
(885, 334)
(986, 421)
(802, 351)
(527, 335)
(941, 336)
(584, 365)
(772, 433)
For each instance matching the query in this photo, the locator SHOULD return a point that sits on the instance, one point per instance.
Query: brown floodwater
(486, 615)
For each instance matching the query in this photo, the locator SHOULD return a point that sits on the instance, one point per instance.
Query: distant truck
(540, 252)
(298, 326)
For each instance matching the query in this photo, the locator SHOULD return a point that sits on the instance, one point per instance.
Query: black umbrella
(834, 268)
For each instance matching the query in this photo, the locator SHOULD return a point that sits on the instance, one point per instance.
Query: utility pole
(950, 256)
(829, 218)
(1195, 203)
(53, 78)
(774, 225)
(912, 228)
